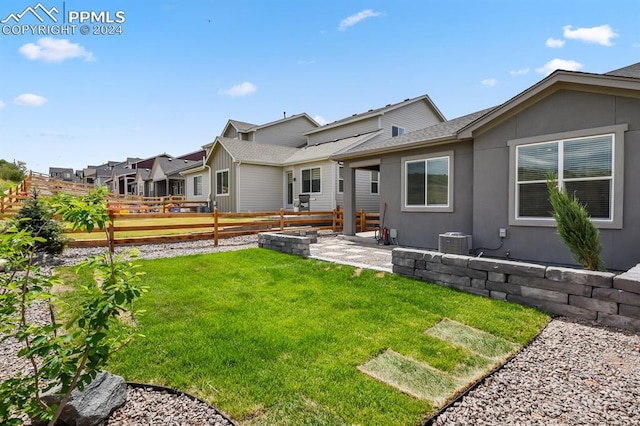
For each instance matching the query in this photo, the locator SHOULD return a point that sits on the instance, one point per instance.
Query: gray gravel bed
(574, 373)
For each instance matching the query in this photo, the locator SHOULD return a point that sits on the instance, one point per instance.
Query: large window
(222, 182)
(584, 166)
(375, 181)
(427, 183)
(311, 180)
(588, 164)
(197, 185)
(340, 179)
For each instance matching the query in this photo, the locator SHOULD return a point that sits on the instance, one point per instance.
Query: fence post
(163, 205)
(111, 233)
(282, 219)
(215, 227)
(333, 220)
(363, 215)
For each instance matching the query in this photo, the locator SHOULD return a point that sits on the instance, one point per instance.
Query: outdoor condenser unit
(454, 243)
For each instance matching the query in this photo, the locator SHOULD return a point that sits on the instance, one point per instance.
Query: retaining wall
(293, 242)
(605, 297)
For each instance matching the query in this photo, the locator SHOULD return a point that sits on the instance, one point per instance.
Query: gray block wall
(610, 299)
(292, 242)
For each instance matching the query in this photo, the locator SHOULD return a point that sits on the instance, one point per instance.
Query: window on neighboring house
(397, 131)
(197, 185)
(584, 167)
(311, 180)
(588, 163)
(67, 175)
(177, 187)
(340, 179)
(222, 182)
(375, 180)
(427, 183)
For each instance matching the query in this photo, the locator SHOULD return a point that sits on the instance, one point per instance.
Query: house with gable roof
(267, 167)
(484, 174)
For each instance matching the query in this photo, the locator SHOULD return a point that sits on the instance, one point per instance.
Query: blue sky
(181, 69)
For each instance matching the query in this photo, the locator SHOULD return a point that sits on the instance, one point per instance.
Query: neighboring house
(252, 170)
(62, 173)
(122, 180)
(288, 131)
(485, 172)
(99, 175)
(166, 178)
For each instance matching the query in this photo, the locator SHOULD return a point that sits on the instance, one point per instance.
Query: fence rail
(213, 226)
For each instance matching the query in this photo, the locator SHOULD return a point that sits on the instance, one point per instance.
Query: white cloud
(320, 119)
(636, 45)
(307, 62)
(1, 104)
(559, 64)
(555, 43)
(29, 99)
(523, 71)
(489, 82)
(358, 17)
(241, 89)
(600, 35)
(48, 49)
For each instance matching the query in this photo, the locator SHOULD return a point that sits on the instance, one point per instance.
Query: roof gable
(558, 80)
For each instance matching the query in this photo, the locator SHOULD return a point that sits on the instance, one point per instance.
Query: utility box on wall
(454, 243)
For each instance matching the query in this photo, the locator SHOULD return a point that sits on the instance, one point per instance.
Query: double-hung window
(588, 166)
(197, 185)
(311, 180)
(427, 183)
(222, 182)
(375, 181)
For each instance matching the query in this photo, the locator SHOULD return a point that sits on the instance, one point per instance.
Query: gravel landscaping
(574, 373)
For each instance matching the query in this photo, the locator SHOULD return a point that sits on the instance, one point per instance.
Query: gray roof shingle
(434, 132)
(256, 152)
(632, 71)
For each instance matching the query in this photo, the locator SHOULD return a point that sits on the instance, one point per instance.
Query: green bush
(37, 217)
(575, 227)
(12, 171)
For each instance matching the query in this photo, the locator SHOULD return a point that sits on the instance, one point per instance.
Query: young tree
(66, 357)
(575, 226)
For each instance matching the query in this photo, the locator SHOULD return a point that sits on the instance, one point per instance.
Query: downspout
(210, 185)
(238, 185)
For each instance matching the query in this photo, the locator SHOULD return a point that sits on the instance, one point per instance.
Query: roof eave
(396, 148)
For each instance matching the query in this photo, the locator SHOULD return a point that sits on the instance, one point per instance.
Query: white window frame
(340, 179)
(311, 191)
(617, 192)
(400, 131)
(403, 183)
(221, 172)
(377, 182)
(197, 182)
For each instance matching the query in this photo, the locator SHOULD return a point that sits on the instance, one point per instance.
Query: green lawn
(271, 338)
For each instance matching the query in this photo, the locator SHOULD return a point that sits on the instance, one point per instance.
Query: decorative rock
(3, 264)
(94, 404)
(579, 276)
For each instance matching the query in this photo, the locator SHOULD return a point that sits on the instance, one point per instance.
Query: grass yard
(271, 338)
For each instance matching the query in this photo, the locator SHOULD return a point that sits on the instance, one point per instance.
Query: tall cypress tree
(575, 226)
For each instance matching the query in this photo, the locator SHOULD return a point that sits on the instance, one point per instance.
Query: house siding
(562, 111)
(328, 175)
(260, 188)
(189, 186)
(231, 133)
(420, 229)
(347, 130)
(288, 133)
(221, 160)
(364, 199)
(411, 117)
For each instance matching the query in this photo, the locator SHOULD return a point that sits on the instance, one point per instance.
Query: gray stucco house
(485, 172)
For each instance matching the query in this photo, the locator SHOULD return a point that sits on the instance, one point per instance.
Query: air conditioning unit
(454, 243)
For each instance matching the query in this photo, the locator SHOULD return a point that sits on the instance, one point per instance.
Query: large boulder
(93, 405)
